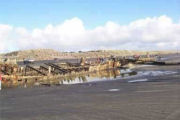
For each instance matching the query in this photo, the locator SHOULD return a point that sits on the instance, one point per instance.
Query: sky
(73, 25)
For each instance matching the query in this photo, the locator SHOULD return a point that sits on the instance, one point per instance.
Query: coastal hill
(49, 54)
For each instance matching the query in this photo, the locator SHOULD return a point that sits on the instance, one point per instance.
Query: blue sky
(73, 25)
(38, 13)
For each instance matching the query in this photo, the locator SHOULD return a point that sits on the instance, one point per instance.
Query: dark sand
(157, 99)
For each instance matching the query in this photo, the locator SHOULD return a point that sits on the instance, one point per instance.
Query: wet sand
(155, 98)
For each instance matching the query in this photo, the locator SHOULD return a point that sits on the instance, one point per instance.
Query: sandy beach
(149, 96)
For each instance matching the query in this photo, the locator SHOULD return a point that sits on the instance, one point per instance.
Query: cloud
(144, 34)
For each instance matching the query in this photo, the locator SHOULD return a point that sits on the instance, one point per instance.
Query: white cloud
(5, 33)
(149, 33)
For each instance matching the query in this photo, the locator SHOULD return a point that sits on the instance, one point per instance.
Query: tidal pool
(104, 75)
(130, 76)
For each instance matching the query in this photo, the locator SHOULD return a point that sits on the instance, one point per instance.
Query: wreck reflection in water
(72, 79)
(99, 76)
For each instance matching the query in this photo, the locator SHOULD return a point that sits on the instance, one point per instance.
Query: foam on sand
(139, 80)
(113, 90)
